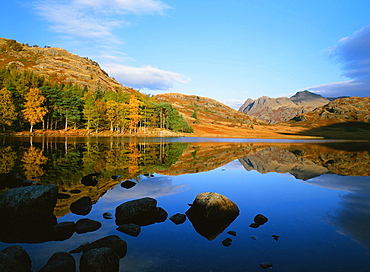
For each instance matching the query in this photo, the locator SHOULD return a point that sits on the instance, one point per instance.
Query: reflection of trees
(33, 160)
(7, 158)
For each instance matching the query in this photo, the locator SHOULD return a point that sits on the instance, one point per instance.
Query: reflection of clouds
(343, 183)
(233, 165)
(146, 187)
(352, 217)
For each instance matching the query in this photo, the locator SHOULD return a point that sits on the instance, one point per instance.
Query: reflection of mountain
(274, 159)
(308, 161)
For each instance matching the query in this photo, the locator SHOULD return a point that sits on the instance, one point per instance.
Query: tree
(134, 115)
(7, 108)
(90, 112)
(34, 110)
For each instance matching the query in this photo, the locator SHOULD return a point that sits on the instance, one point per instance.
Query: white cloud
(233, 103)
(94, 19)
(147, 77)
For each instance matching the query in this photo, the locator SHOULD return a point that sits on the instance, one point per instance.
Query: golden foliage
(33, 160)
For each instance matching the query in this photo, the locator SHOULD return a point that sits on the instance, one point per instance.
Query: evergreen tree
(7, 108)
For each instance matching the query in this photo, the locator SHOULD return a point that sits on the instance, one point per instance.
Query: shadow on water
(348, 130)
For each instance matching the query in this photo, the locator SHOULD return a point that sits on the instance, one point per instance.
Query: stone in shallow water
(99, 259)
(128, 184)
(108, 215)
(130, 229)
(227, 242)
(231, 232)
(276, 237)
(266, 265)
(87, 225)
(178, 218)
(19, 255)
(63, 231)
(60, 261)
(75, 191)
(81, 206)
(260, 219)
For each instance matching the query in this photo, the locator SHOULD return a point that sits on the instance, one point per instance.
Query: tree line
(28, 100)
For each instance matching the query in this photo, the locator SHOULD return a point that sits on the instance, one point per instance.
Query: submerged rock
(63, 231)
(81, 206)
(266, 265)
(276, 237)
(211, 214)
(99, 259)
(87, 225)
(231, 232)
(178, 218)
(60, 261)
(15, 254)
(130, 229)
(259, 220)
(142, 212)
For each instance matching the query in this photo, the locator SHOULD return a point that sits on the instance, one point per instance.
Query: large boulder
(15, 258)
(60, 261)
(26, 214)
(28, 203)
(99, 259)
(141, 212)
(211, 213)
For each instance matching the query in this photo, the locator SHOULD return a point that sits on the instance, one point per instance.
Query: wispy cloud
(146, 77)
(353, 54)
(92, 23)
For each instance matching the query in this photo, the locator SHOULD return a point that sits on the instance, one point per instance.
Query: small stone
(231, 232)
(266, 265)
(130, 229)
(108, 215)
(254, 225)
(253, 237)
(116, 176)
(87, 225)
(178, 218)
(75, 191)
(260, 219)
(227, 242)
(276, 237)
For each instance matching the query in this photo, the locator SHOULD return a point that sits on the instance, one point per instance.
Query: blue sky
(228, 50)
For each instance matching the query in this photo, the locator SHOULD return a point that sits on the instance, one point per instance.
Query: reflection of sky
(352, 216)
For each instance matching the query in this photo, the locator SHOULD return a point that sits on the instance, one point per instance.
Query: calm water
(316, 196)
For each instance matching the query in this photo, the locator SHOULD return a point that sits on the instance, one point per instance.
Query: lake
(315, 195)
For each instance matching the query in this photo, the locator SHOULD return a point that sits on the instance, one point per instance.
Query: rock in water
(60, 261)
(260, 219)
(141, 212)
(111, 241)
(130, 229)
(87, 225)
(81, 206)
(211, 214)
(26, 213)
(19, 256)
(99, 259)
(227, 242)
(178, 218)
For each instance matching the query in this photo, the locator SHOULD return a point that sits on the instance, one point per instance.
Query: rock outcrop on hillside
(351, 109)
(58, 64)
(274, 110)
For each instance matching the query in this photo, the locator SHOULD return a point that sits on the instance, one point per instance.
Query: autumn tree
(90, 111)
(134, 115)
(34, 111)
(7, 108)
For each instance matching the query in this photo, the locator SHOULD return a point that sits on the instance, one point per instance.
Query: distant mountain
(274, 110)
(343, 110)
(203, 110)
(58, 64)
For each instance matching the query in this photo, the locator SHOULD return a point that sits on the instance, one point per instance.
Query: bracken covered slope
(58, 64)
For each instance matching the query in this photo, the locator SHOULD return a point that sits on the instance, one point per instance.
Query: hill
(58, 64)
(274, 110)
(208, 116)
